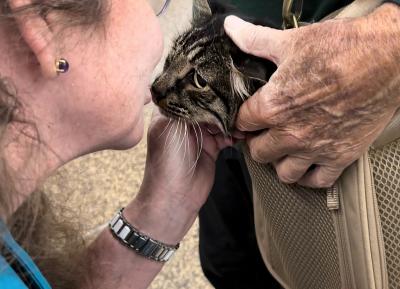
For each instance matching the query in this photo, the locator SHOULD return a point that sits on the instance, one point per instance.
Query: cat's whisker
(192, 166)
(172, 141)
(201, 134)
(184, 142)
(188, 146)
(165, 129)
(199, 142)
(181, 131)
(185, 136)
(166, 142)
(175, 132)
(205, 50)
(191, 161)
(178, 129)
(183, 128)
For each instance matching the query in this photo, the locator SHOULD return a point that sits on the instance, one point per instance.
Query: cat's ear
(201, 12)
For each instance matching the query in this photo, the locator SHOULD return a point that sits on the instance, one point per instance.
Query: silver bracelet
(140, 243)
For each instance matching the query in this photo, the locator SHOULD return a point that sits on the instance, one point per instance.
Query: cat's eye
(199, 81)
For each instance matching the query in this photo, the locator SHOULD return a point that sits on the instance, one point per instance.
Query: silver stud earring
(62, 65)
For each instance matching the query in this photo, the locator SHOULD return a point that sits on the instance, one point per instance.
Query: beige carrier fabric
(295, 231)
(386, 170)
(299, 237)
(354, 246)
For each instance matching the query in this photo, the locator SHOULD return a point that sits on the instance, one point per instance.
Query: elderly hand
(181, 160)
(336, 87)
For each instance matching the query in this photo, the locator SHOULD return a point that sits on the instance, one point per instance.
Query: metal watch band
(140, 243)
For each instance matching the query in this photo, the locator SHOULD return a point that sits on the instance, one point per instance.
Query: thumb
(259, 41)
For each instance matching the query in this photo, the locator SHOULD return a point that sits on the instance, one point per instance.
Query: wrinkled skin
(336, 88)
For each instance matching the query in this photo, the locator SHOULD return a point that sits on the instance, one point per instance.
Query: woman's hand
(176, 184)
(178, 177)
(336, 87)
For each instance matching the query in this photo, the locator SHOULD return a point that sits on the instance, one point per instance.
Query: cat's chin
(215, 129)
(211, 128)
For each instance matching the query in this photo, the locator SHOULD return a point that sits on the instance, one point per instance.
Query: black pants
(229, 253)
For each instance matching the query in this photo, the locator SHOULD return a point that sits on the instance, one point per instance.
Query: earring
(62, 66)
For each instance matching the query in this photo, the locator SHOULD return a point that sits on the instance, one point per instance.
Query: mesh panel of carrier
(301, 239)
(386, 170)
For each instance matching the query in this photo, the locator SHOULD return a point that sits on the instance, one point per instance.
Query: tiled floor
(98, 184)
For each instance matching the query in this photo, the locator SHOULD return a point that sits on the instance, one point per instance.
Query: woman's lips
(147, 99)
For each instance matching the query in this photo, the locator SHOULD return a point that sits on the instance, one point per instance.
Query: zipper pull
(332, 198)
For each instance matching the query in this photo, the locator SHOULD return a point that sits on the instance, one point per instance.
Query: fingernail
(233, 23)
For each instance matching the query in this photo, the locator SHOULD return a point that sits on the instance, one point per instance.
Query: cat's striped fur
(206, 77)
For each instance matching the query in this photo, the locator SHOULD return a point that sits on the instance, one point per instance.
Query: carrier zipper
(378, 221)
(332, 198)
(333, 203)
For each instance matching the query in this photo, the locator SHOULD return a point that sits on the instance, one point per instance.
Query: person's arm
(336, 88)
(172, 193)
(115, 266)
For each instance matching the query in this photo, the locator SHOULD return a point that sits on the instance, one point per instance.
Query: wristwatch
(140, 243)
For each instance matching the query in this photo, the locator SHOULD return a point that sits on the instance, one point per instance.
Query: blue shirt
(9, 278)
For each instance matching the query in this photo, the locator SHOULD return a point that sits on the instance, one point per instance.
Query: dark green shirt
(394, 1)
(271, 10)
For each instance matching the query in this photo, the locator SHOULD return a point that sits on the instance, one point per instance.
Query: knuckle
(256, 104)
(293, 141)
(324, 183)
(287, 176)
(274, 140)
(301, 138)
(259, 105)
(241, 123)
(256, 154)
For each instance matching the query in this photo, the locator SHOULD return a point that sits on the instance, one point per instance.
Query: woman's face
(108, 82)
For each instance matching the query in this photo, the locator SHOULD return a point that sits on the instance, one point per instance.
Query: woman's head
(112, 48)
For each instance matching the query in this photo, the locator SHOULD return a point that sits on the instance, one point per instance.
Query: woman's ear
(38, 36)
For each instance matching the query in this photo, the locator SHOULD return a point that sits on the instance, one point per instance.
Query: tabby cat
(206, 77)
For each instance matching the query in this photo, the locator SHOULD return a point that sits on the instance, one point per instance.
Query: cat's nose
(157, 94)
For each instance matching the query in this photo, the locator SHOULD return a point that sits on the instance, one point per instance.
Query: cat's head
(206, 77)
